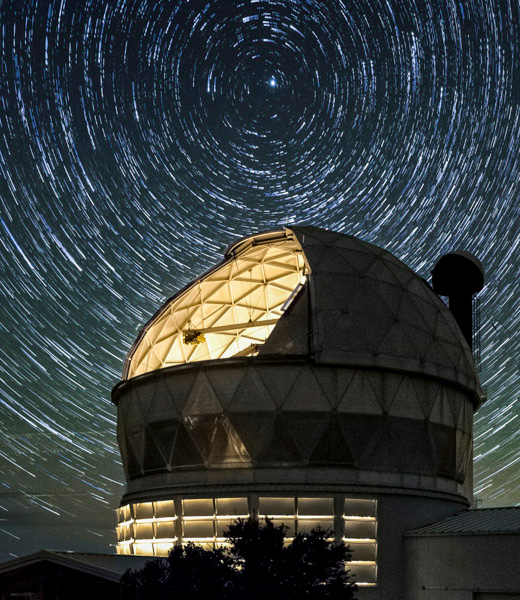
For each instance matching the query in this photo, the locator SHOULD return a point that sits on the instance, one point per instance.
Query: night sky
(139, 138)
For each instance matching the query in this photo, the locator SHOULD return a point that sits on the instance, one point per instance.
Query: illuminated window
(282, 511)
(206, 520)
(271, 507)
(299, 515)
(146, 528)
(144, 531)
(232, 506)
(198, 530)
(143, 510)
(143, 549)
(164, 509)
(199, 507)
(315, 512)
(316, 507)
(152, 528)
(360, 533)
(165, 529)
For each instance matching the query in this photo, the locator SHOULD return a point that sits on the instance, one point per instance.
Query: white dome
(351, 304)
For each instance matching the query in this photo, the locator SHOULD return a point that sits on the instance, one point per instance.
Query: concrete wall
(462, 567)
(397, 514)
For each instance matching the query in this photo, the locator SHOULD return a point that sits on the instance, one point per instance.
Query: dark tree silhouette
(258, 564)
(188, 572)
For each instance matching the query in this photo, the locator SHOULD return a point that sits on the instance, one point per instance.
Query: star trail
(139, 137)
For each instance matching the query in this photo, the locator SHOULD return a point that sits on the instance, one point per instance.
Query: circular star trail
(139, 138)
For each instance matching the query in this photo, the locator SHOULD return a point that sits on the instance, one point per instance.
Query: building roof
(107, 566)
(482, 521)
(352, 304)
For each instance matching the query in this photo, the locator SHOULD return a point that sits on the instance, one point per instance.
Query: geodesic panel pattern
(230, 311)
(253, 413)
(359, 306)
(370, 309)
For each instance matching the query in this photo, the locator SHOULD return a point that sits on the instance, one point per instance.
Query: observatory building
(310, 377)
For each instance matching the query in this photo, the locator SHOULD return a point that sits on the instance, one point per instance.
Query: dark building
(50, 575)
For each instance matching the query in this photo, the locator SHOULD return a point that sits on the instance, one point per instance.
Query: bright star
(272, 82)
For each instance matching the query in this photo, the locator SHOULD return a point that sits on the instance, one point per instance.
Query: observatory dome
(308, 368)
(361, 306)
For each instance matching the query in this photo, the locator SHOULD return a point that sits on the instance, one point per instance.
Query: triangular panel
(360, 261)
(441, 410)
(306, 394)
(420, 340)
(403, 274)
(226, 446)
(360, 397)
(426, 393)
(132, 464)
(281, 447)
(135, 442)
(356, 332)
(444, 330)
(389, 294)
(251, 394)
(423, 460)
(185, 453)
(411, 315)
(202, 399)
(153, 458)
(396, 446)
(406, 404)
(396, 342)
(334, 382)
(454, 351)
(332, 447)
(132, 412)
(180, 386)
(253, 430)
(364, 299)
(146, 391)
(363, 434)
(225, 382)
(306, 429)
(437, 355)
(426, 309)
(381, 271)
(279, 379)
(332, 262)
(467, 425)
(163, 406)
(385, 386)
(463, 447)
(455, 400)
(164, 434)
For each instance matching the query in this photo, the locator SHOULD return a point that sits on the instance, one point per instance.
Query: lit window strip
(215, 518)
(155, 540)
(348, 518)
